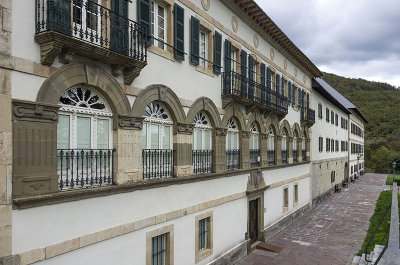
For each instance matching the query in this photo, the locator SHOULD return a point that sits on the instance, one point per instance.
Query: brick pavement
(330, 233)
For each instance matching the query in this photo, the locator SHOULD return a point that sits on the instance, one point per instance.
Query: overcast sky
(352, 38)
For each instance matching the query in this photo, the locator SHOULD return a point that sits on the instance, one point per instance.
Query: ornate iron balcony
(295, 156)
(83, 168)
(271, 157)
(254, 157)
(69, 27)
(307, 116)
(202, 161)
(157, 163)
(232, 159)
(250, 93)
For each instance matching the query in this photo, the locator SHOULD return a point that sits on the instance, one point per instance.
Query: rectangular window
(336, 119)
(203, 231)
(320, 110)
(286, 198)
(158, 253)
(158, 22)
(327, 115)
(332, 117)
(203, 48)
(333, 174)
(296, 193)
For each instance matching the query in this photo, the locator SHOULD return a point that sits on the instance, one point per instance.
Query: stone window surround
(202, 254)
(209, 30)
(295, 202)
(169, 230)
(285, 208)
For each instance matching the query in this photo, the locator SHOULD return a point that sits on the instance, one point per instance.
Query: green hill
(379, 102)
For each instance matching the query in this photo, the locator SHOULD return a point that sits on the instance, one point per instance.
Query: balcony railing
(83, 168)
(307, 115)
(254, 157)
(271, 157)
(304, 155)
(295, 158)
(284, 157)
(234, 84)
(232, 159)
(157, 163)
(202, 161)
(91, 30)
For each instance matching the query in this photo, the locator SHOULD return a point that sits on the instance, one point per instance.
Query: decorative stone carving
(220, 131)
(25, 110)
(295, 72)
(128, 122)
(256, 41)
(272, 54)
(245, 134)
(116, 70)
(264, 136)
(130, 74)
(205, 4)
(235, 24)
(184, 128)
(49, 51)
(255, 181)
(285, 64)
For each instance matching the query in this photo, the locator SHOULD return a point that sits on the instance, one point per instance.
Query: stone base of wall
(323, 196)
(10, 260)
(274, 229)
(233, 255)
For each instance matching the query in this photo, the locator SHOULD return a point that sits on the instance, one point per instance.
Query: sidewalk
(331, 233)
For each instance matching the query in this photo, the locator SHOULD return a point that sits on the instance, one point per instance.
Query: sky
(351, 38)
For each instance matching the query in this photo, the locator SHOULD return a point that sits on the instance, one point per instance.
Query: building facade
(134, 130)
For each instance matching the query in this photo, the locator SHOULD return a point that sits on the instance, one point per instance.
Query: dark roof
(260, 18)
(335, 97)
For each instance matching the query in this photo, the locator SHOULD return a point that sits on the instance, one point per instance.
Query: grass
(389, 179)
(382, 204)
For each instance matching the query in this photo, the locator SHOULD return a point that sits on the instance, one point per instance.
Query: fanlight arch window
(84, 139)
(232, 136)
(271, 140)
(254, 137)
(202, 134)
(157, 127)
(84, 120)
(284, 141)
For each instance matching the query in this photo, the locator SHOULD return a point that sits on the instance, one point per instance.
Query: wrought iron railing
(82, 168)
(238, 85)
(157, 163)
(254, 157)
(307, 114)
(92, 23)
(202, 161)
(284, 154)
(232, 159)
(295, 159)
(271, 157)
(304, 155)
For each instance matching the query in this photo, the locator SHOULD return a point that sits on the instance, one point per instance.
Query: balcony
(232, 159)
(295, 156)
(202, 161)
(307, 116)
(254, 157)
(84, 168)
(157, 163)
(271, 157)
(284, 154)
(66, 28)
(237, 88)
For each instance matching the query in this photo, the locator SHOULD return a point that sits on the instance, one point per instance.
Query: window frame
(285, 196)
(201, 254)
(169, 244)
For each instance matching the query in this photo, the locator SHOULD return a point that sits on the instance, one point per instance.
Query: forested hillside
(380, 104)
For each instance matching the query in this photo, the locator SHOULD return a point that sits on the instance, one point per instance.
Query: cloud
(358, 38)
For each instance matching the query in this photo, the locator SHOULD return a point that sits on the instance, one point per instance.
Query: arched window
(232, 145)
(202, 144)
(157, 153)
(284, 147)
(271, 146)
(294, 151)
(254, 146)
(84, 139)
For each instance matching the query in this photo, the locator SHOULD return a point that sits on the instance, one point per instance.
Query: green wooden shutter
(283, 86)
(269, 86)
(144, 17)
(59, 15)
(293, 95)
(228, 69)
(179, 26)
(217, 52)
(251, 77)
(243, 62)
(262, 82)
(290, 92)
(308, 100)
(119, 27)
(277, 84)
(194, 40)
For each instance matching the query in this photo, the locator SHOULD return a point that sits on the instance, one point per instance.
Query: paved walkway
(330, 233)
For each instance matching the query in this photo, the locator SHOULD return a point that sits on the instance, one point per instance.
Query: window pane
(198, 140)
(154, 136)
(83, 133)
(144, 136)
(166, 137)
(236, 140)
(229, 141)
(63, 132)
(207, 140)
(103, 130)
